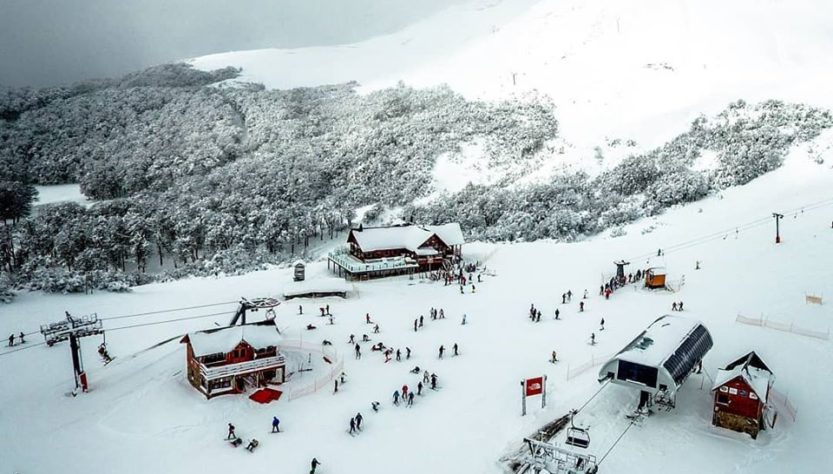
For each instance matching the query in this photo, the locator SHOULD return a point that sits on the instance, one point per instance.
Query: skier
(433, 381)
(563, 298)
(420, 320)
(592, 339)
(419, 388)
(674, 306)
(11, 340)
(557, 312)
(478, 278)
(554, 358)
(342, 376)
(415, 370)
(328, 310)
(375, 406)
(461, 290)
(538, 316)
(581, 306)
(300, 309)
(276, 428)
(602, 325)
(442, 314)
(314, 464)
(396, 397)
(404, 391)
(231, 434)
(416, 323)
(601, 290)
(367, 318)
(585, 293)
(376, 329)
(331, 320)
(352, 339)
(411, 399)
(358, 351)
(365, 338)
(455, 349)
(442, 349)
(398, 355)
(425, 377)
(352, 425)
(472, 288)
(569, 295)
(252, 445)
(408, 354)
(464, 319)
(359, 421)
(336, 386)
(680, 306)
(322, 311)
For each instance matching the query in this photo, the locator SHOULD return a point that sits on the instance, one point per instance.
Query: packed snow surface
(141, 415)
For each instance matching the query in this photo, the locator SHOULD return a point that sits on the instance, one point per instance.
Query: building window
(742, 393)
(724, 389)
(722, 399)
(753, 396)
(733, 391)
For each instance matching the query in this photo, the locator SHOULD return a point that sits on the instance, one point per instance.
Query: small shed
(655, 277)
(661, 358)
(741, 392)
(300, 270)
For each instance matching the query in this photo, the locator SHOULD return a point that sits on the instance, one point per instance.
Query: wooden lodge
(228, 360)
(741, 392)
(373, 252)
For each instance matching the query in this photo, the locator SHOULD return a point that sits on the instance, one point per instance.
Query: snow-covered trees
(212, 179)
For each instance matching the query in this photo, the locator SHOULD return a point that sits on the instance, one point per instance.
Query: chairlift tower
(256, 304)
(73, 329)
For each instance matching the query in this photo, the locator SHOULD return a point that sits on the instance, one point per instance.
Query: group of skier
(21, 336)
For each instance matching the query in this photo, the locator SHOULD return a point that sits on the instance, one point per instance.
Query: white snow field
(630, 69)
(141, 415)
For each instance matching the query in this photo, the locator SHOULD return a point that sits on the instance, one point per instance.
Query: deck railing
(213, 373)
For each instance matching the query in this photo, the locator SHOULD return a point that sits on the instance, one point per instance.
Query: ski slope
(142, 416)
(630, 69)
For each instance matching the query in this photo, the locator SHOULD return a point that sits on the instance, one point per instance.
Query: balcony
(213, 373)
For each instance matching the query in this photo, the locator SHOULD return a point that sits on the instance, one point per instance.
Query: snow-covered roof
(426, 251)
(757, 379)
(657, 270)
(298, 262)
(382, 238)
(316, 285)
(225, 340)
(449, 233)
(659, 341)
(753, 371)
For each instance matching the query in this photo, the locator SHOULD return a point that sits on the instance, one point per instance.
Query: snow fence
(336, 367)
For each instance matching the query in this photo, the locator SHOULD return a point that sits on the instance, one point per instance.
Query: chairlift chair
(578, 437)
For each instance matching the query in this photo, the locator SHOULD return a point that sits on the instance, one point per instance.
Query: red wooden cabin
(741, 391)
(227, 360)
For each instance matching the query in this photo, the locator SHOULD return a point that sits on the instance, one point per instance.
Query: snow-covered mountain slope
(142, 416)
(615, 68)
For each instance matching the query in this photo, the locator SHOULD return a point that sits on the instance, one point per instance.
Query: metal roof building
(661, 358)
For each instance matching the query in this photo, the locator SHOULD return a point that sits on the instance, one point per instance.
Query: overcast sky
(49, 42)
